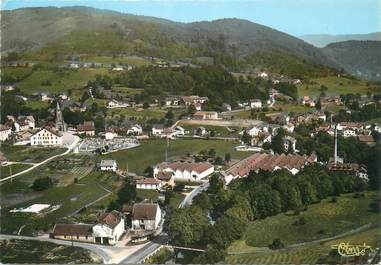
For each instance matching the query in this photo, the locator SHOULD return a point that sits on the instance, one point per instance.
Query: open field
(24, 251)
(152, 152)
(323, 220)
(29, 153)
(70, 199)
(309, 254)
(6, 171)
(336, 86)
(37, 104)
(61, 80)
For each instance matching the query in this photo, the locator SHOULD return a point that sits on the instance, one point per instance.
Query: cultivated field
(24, 251)
(28, 153)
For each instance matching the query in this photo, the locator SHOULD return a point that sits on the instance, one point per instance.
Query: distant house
(117, 104)
(73, 232)
(289, 144)
(226, 107)
(145, 216)
(377, 128)
(178, 130)
(117, 68)
(47, 136)
(349, 133)
(23, 137)
(87, 128)
(255, 104)
(185, 171)
(197, 106)
(200, 131)
(135, 129)
(45, 97)
(5, 132)
(191, 100)
(108, 165)
(109, 228)
(206, 115)
(148, 184)
(157, 129)
(257, 129)
(263, 75)
(77, 107)
(172, 101)
(110, 134)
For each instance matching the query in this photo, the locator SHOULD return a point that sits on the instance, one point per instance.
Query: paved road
(188, 199)
(147, 250)
(69, 148)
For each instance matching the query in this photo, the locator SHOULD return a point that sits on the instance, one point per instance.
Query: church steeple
(60, 124)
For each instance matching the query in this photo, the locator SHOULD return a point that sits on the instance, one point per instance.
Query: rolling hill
(360, 58)
(71, 30)
(322, 40)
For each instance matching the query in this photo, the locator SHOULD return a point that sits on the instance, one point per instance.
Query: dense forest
(258, 196)
(213, 82)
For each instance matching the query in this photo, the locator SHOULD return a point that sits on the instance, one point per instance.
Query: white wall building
(46, 136)
(5, 132)
(109, 228)
(108, 165)
(255, 104)
(148, 184)
(185, 171)
(145, 216)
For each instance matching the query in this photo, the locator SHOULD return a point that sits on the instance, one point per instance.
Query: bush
(276, 244)
(333, 200)
(42, 184)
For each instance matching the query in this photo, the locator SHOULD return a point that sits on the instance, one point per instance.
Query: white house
(263, 75)
(109, 228)
(145, 216)
(110, 134)
(46, 136)
(206, 115)
(5, 132)
(185, 171)
(349, 133)
(255, 104)
(135, 129)
(157, 129)
(45, 97)
(256, 129)
(108, 165)
(377, 128)
(148, 184)
(179, 130)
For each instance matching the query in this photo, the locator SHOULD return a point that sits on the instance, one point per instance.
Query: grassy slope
(336, 86)
(29, 154)
(334, 218)
(153, 151)
(60, 81)
(304, 255)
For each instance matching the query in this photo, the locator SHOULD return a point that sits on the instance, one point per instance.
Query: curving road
(35, 165)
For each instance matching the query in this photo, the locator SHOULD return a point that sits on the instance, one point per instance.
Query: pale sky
(296, 17)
